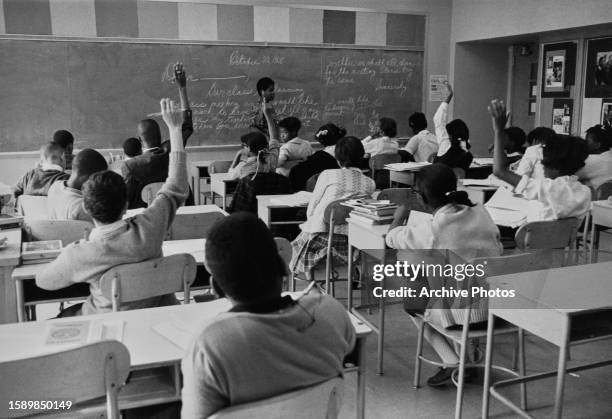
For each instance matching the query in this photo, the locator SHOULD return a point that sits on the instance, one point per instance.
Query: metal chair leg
(419, 352)
(522, 367)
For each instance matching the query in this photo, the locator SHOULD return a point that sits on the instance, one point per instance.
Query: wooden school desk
(198, 172)
(155, 360)
(194, 247)
(601, 216)
(563, 306)
(221, 185)
(279, 214)
(10, 257)
(191, 209)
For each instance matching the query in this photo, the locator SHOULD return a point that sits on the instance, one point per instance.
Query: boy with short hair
(65, 200)
(115, 241)
(294, 148)
(132, 147)
(266, 344)
(423, 143)
(65, 140)
(38, 180)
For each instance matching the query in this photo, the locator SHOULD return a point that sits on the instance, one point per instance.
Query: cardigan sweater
(136, 239)
(240, 357)
(38, 181)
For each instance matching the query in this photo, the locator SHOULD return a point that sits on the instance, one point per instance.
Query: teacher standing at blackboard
(265, 90)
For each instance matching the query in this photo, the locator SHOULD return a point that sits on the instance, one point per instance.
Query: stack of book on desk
(40, 251)
(371, 211)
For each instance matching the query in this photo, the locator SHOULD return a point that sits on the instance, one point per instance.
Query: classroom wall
(280, 21)
(521, 76)
(480, 74)
(487, 19)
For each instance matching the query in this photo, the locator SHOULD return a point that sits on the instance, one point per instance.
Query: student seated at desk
(310, 247)
(132, 147)
(423, 143)
(328, 135)
(453, 137)
(530, 164)
(457, 225)
(65, 140)
(598, 166)
(382, 138)
(262, 156)
(65, 199)
(559, 194)
(115, 241)
(266, 344)
(295, 149)
(50, 170)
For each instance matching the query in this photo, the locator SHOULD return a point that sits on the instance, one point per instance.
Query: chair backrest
(319, 401)
(379, 174)
(603, 191)
(336, 213)
(32, 206)
(193, 226)
(312, 182)
(219, 166)
(459, 172)
(79, 375)
(149, 192)
(68, 231)
(151, 278)
(557, 234)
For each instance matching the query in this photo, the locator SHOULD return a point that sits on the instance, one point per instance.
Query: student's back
(38, 180)
(256, 356)
(150, 167)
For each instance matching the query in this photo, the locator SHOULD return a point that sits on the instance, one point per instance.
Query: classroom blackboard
(100, 90)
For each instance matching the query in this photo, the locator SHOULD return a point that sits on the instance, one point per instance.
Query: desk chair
(149, 192)
(151, 278)
(319, 401)
(68, 231)
(80, 375)
(556, 234)
(220, 166)
(500, 265)
(380, 175)
(193, 226)
(603, 192)
(32, 206)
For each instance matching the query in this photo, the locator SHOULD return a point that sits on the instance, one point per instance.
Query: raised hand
(449, 92)
(179, 75)
(171, 114)
(499, 116)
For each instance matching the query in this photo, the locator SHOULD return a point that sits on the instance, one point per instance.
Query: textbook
(80, 332)
(371, 219)
(40, 251)
(405, 167)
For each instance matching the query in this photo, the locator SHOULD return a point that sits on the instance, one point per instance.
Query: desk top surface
(146, 346)
(191, 209)
(194, 247)
(566, 290)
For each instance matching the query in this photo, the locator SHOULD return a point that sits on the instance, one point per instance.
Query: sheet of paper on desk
(297, 199)
(403, 167)
(482, 161)
(507, 218)
(504, 198)
(83, 331)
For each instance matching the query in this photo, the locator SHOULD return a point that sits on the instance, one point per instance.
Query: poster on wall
(598, 81)
(562, 116)
(606, 112)
(558, 69)
(437, 88)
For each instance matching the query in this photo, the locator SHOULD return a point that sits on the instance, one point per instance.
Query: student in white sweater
(423, 144)
(266, 344)
(457, 225)
(65, 199)
(558, 194)
(382, 139)
(530, 164)
(294, 149)
(598, 166)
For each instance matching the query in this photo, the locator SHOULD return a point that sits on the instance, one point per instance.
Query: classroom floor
(587, 394)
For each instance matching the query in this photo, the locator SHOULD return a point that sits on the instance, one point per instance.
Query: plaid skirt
(311, 248)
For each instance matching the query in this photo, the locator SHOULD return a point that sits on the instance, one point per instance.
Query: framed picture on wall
(606, 112)
(562, 116)
(598, 81)
(558, 69)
